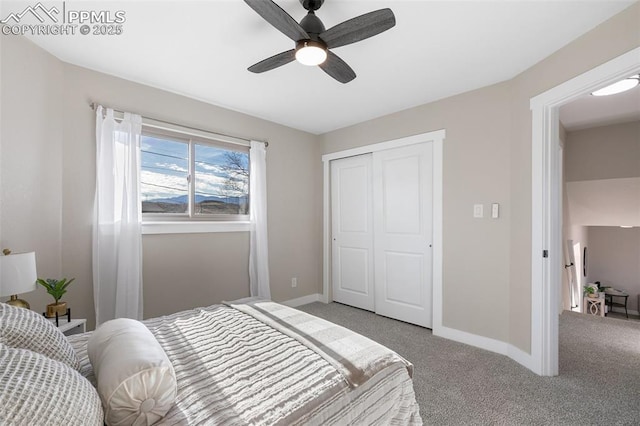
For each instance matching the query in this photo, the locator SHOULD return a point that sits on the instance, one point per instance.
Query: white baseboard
(488, 344)
(304, 300)
(522, 358)
(481, 342)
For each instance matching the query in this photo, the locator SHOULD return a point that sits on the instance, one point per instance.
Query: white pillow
(136, 381)
(36, 390)
(25, 329)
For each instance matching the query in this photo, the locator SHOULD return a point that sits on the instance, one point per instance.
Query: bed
(255, 362)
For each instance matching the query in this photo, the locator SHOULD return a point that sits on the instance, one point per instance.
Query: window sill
(153, 228)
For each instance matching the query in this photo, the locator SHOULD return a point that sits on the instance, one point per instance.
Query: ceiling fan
(313, 41)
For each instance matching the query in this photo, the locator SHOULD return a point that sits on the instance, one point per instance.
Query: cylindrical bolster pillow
(136, 381)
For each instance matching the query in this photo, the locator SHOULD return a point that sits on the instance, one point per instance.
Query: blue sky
(165, 169)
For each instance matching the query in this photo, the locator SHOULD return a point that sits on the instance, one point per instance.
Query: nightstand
(68, 328)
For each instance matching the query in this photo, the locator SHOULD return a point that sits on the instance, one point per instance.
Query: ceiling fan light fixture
(618, 87)
(309, 52)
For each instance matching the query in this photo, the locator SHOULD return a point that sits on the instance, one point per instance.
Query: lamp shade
(17, 273)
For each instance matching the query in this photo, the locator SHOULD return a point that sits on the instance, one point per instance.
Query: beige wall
(487, 158)
(605, 152)
(476, 171)
(614, 259)
(220, 273)
(31, 167)
(614, 37)
(604, 202)
(53, 166)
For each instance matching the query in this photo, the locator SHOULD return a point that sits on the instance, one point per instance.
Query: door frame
(546, 208)
(437, 138)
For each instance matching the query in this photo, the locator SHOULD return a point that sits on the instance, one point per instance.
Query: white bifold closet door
(385, 199)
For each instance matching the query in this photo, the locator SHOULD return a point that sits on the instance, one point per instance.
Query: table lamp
(17, 275)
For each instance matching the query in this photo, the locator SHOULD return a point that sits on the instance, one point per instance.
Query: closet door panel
(352, 231)
(404, 278)
(403, 199)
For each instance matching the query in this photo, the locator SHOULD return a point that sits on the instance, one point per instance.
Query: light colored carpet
(456, 384)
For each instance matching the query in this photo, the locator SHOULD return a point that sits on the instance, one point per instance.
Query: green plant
(588, 289)
(56, 288)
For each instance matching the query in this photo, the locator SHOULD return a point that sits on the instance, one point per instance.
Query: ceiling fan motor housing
(312, 25)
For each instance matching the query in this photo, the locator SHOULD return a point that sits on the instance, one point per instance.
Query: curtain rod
(94, 105)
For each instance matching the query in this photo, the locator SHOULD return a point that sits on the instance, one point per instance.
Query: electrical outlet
(294, 282)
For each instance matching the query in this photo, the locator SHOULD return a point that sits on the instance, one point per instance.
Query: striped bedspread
(356, 357)
(233, 369)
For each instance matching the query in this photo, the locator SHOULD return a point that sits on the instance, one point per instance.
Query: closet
(382, 231)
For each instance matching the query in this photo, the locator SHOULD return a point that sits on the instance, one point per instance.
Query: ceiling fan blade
(337, 68)
(281, 20)
(359, 28)
(274, 62)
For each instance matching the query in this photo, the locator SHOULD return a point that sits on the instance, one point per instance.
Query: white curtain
(259, 252)
(117, 224)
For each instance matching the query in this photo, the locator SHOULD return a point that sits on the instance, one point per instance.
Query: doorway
(546, 239)
(601, 206)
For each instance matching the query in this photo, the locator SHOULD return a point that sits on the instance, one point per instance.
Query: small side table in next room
(610, 294)
(593, 306)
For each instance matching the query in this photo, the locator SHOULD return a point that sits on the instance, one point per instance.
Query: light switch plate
(495, 210)
(478, 211)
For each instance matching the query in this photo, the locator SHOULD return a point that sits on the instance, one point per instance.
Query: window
(192, 178)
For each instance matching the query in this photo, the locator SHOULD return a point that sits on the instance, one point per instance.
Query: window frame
(155, 223)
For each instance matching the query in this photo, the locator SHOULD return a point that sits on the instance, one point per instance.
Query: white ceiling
(201, 49)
